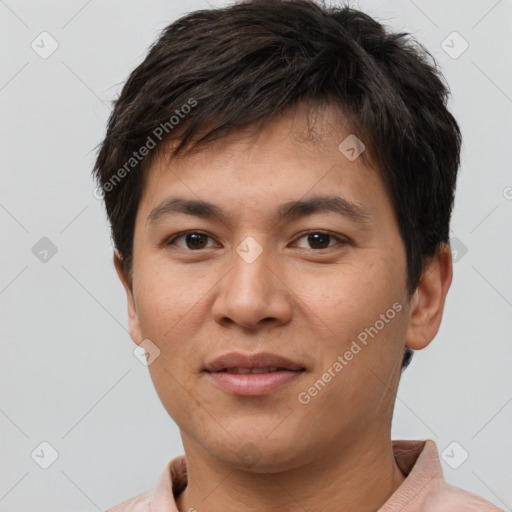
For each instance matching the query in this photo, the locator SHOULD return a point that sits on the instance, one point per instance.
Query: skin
(304, 301)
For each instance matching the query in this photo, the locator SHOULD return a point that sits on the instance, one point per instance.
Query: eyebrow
(287, 211)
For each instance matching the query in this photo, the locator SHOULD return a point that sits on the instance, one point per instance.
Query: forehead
(301, 154)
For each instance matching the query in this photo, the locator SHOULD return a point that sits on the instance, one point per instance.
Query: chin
(260, 454)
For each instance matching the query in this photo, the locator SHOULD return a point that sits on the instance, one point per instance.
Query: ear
(133, 320)
(427, 303)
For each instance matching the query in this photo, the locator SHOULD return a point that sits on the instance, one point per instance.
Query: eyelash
(184, 233)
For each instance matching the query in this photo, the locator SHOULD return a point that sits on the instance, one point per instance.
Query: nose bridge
(250, 266)
(250, 292)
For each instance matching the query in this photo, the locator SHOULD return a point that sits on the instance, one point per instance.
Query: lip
(252, 384)
(259, 360)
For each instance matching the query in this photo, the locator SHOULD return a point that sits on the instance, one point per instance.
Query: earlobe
(427, 303)
(133, 319)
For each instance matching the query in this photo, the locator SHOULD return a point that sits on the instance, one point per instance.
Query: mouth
(263, 362)
(245, 371)
(253, 374)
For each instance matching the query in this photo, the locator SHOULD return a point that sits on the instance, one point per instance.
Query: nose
(252, 294)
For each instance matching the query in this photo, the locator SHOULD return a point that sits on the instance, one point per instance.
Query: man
(279, 177)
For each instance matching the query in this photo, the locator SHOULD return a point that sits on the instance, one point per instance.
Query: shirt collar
(418, 460)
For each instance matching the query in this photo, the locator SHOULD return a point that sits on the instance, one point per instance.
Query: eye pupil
(317, 238)
(195, 237)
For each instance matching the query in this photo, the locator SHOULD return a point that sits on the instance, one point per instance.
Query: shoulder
(139, 503)
(449, 498)
(424, 487)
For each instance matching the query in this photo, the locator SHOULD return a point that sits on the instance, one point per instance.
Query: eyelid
(338, 238)
(181, 234)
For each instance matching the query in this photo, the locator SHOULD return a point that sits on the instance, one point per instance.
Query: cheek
(352, 388)
(169, 301)
(168, 312)
(361, 317)
(349, 296)
(168, 309)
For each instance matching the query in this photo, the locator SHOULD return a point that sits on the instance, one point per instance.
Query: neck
(361, 476)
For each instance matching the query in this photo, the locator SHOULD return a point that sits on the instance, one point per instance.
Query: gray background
(68, 374)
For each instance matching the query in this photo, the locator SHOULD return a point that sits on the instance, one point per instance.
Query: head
(251, 108)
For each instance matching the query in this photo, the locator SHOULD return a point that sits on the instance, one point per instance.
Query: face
(324, 287)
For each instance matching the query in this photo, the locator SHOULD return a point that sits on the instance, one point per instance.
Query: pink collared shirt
(423, 490)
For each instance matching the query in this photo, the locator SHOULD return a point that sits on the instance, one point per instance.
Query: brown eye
(319, 240)
(194, 240)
